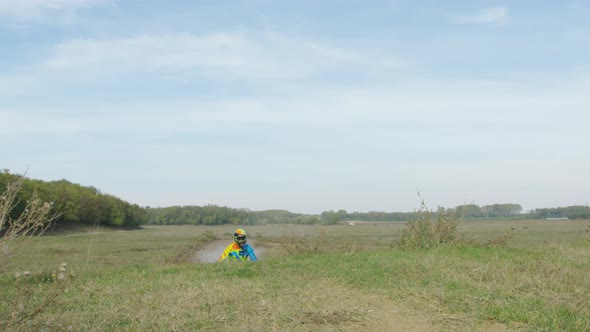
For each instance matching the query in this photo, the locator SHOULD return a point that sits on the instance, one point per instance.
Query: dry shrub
(430, 229)
(16, 232)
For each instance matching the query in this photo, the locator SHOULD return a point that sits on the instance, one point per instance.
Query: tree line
(470, 211)
(75, 204)
(219, 215)
(570, 212)
(473, 211)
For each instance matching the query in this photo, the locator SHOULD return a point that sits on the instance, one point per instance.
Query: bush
(429, 229)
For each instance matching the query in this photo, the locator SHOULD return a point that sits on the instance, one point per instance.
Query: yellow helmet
(240, 236)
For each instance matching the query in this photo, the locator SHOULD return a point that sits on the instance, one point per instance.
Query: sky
(305, 105)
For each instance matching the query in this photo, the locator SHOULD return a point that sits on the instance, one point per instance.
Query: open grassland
(310, 278)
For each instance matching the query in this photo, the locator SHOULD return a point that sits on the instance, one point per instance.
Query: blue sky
(301, 105)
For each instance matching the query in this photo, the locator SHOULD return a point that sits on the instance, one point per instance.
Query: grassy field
(513, 275)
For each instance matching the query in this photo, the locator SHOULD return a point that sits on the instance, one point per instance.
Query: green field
(511, 275)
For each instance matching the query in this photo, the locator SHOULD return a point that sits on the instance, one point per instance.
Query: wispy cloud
(447, 129)
(419, 104)
(24, 12)
(484, 16)
(231, 54)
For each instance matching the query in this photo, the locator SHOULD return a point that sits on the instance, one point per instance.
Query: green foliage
(196, 215)
(75, 203)
(20, 218)
(219, 215)
(571, 212)
(332, 217)
(469, 211)
(17, 230)
(501, 210)
(429, 230)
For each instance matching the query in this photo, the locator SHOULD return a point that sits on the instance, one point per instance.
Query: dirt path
(211, 252)
(382, 313)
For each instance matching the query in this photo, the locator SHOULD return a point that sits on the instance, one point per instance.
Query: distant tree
(74, 203)
(571, 212)
(331, 217)
(501, 210)
(469, 211)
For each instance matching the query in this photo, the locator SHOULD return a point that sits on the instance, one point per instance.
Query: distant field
(310, 278)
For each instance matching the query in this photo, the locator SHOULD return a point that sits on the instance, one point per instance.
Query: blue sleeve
(251, 254)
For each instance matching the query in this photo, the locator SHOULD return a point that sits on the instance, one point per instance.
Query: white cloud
(220, 54)
(487, 15)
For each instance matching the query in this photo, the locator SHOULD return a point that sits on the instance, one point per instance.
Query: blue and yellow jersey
(236, 253)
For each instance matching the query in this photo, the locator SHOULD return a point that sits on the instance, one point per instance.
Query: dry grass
(131, 284)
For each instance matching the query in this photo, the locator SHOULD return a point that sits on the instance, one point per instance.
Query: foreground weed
(16, 229)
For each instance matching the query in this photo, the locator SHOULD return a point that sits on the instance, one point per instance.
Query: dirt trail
(211, 252)
(383, 314)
